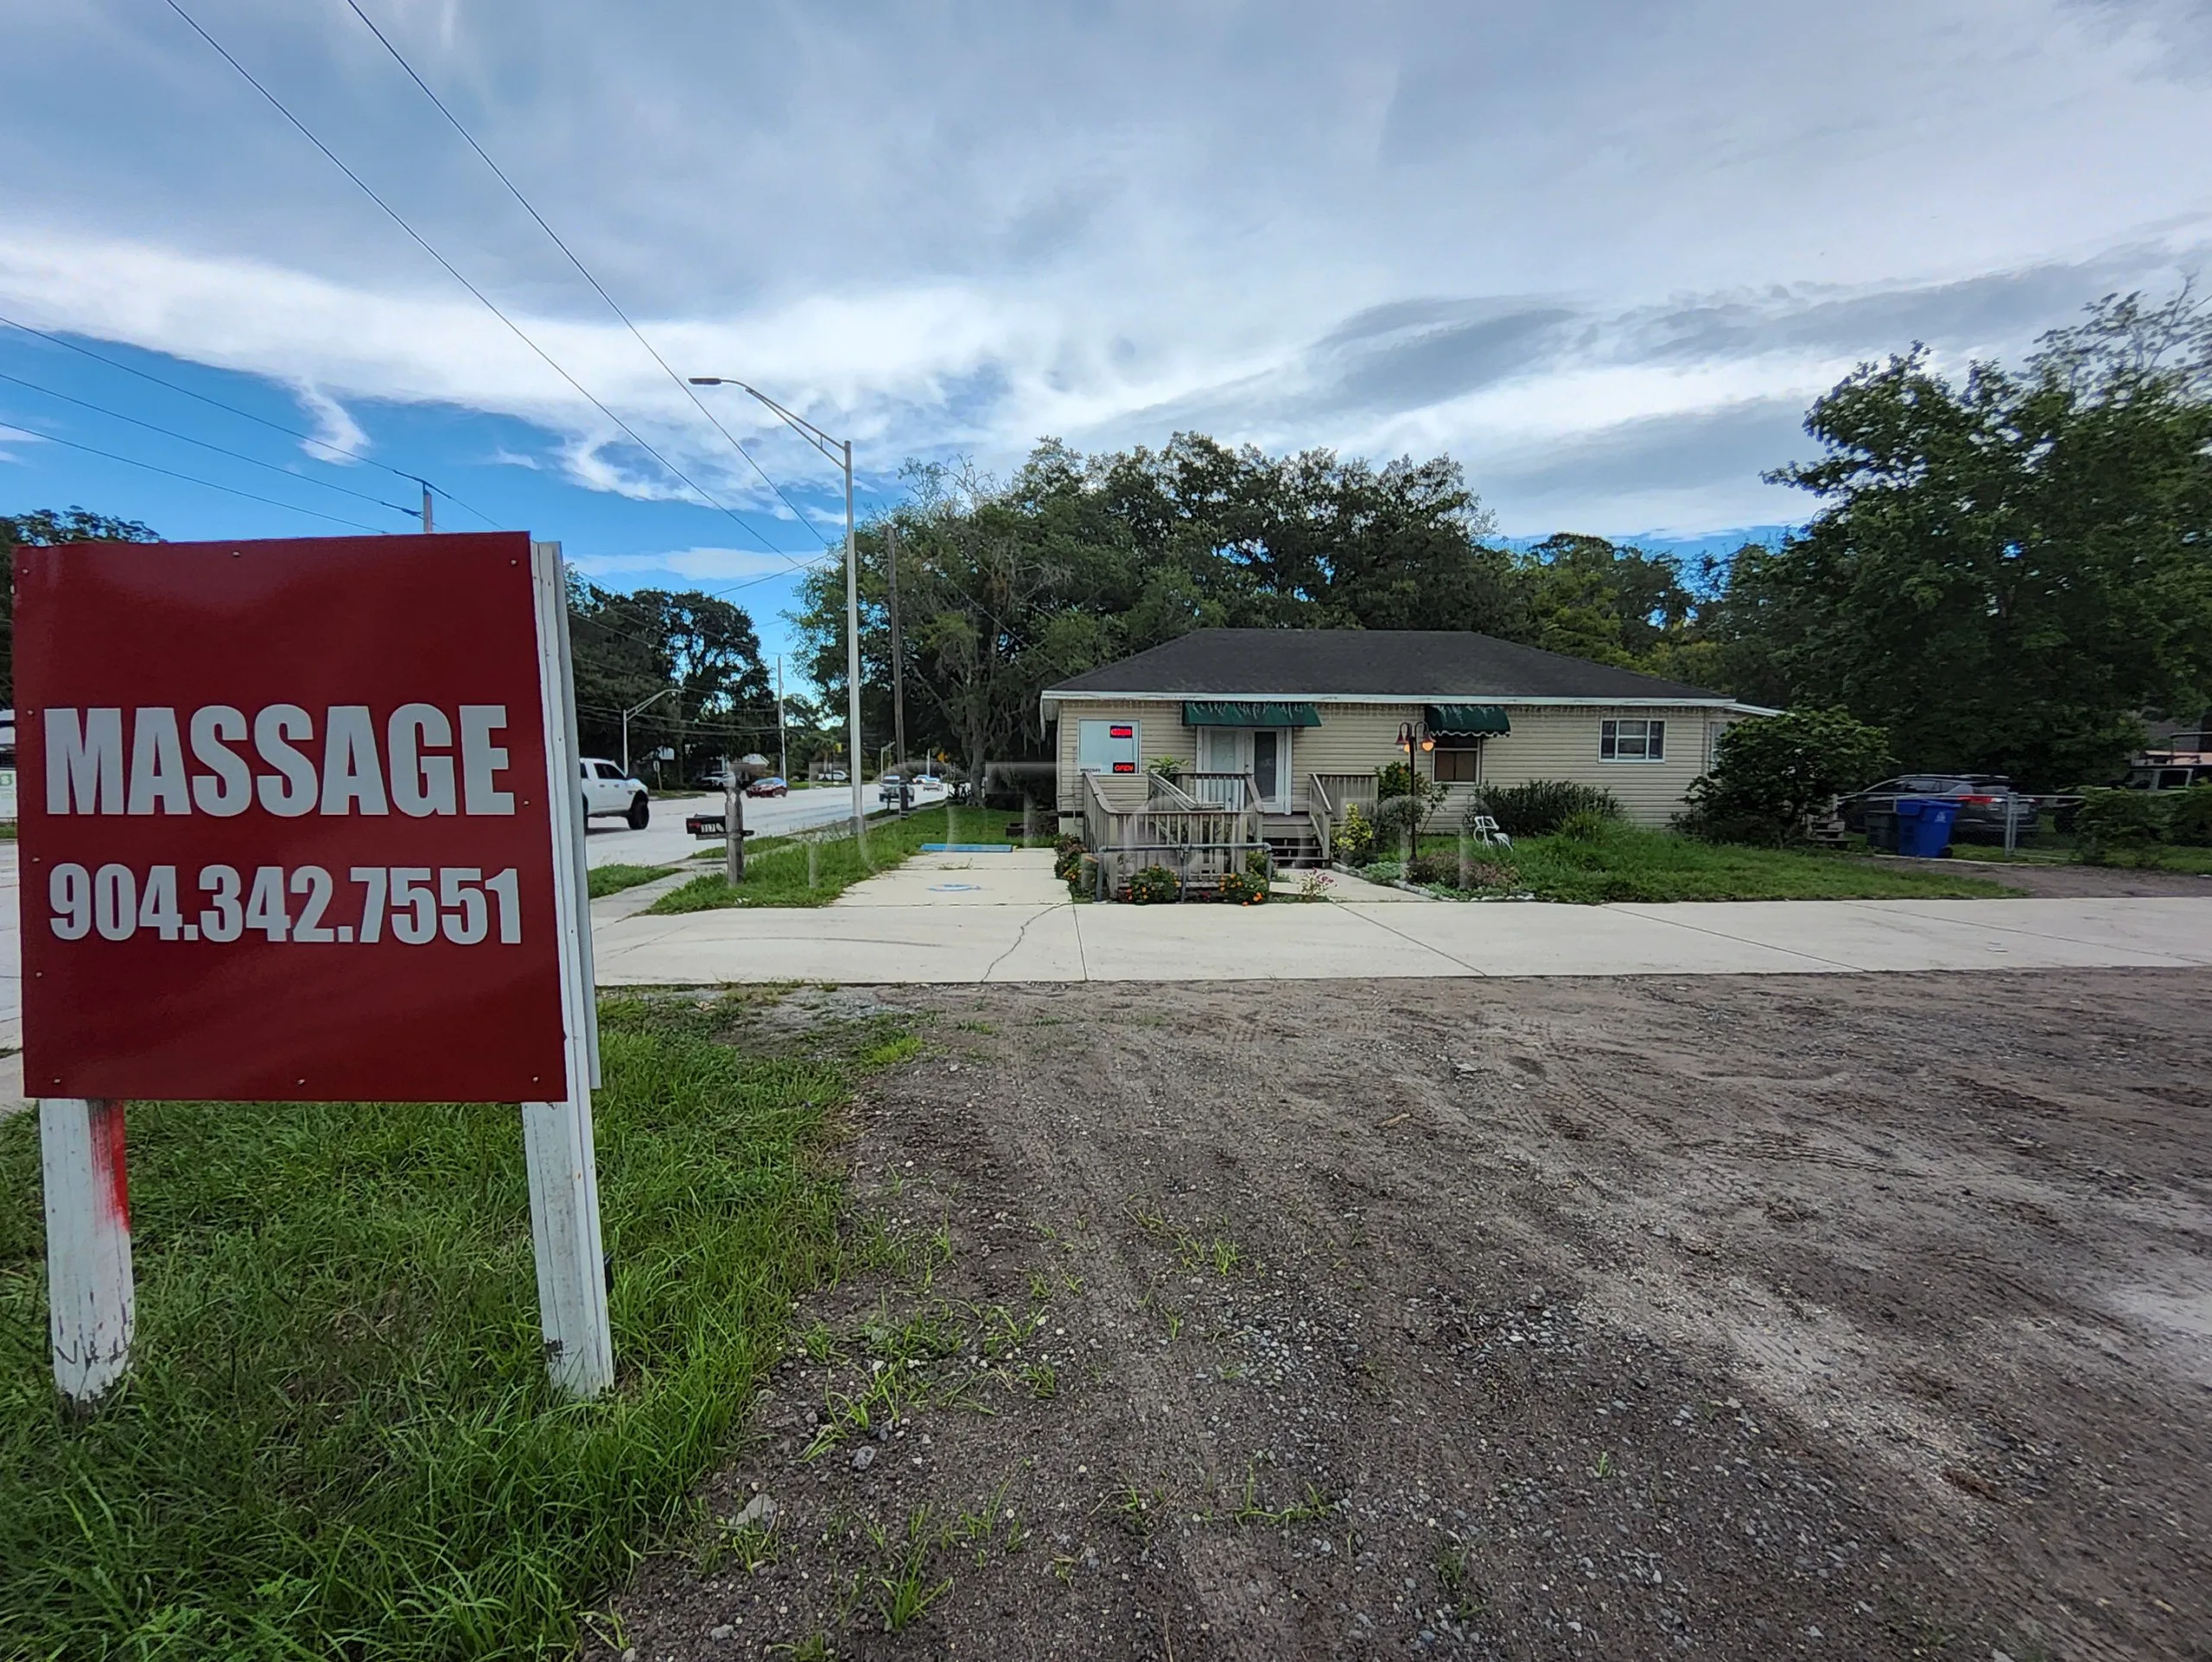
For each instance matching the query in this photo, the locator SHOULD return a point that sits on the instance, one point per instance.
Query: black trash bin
(1881, 830)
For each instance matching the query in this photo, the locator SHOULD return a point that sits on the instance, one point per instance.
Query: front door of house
(1271, 768)
(1260, 753)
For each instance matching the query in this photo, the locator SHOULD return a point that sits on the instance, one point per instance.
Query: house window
(1458, 758)
(1632, 741)
(1106, 747)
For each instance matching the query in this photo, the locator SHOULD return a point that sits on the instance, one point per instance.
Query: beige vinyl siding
(1555, 742)
(1548, 742)
(1161, 732)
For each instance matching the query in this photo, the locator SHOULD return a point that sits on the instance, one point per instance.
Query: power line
(188, 478)
(515, 191)
(454, 271)
(248, 415)
(185, 438)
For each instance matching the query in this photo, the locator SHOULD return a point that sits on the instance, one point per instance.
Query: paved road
(610, 841)
(1001, 918)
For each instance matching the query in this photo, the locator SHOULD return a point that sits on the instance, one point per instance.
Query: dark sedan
(1980, 798)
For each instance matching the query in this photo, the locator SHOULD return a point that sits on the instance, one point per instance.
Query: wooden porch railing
(1197, 838)
(1321, 814)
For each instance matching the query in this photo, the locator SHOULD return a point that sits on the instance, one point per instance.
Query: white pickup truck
(609, 792)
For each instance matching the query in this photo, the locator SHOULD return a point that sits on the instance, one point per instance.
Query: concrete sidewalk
(906, 932)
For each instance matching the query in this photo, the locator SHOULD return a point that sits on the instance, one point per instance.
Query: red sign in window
(1125, 768)
(288, 819)
(1118, 731)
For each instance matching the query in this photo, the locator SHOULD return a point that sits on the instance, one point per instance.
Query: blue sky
(1603, 253)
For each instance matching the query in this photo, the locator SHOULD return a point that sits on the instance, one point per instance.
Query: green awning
(1251, 715)
(1459, 721)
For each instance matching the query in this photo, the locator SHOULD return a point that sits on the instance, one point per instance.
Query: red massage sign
(288, 824)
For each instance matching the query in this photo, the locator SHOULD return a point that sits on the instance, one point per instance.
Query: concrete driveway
(989, 918)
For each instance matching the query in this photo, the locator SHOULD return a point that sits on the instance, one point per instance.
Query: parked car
(928, 788)
(770, 786)
(1980, 798)
(609, 793)
(2184, 759)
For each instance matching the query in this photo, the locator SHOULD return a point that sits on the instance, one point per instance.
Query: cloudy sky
(1603, 253)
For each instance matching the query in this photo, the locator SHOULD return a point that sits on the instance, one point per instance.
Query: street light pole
(852, 649)
(839, 451)
(783, 733)
(632, 710)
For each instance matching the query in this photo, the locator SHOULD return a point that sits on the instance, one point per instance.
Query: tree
(2012, 570)
(628, 647)
(1004, 588)
(1588, 598)
(44, 528)
(1769, 772)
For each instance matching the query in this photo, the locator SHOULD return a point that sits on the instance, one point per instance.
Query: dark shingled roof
(1406, 665)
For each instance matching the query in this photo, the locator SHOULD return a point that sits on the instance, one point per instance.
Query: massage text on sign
(286, 822)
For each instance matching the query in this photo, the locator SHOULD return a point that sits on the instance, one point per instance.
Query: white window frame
(1610, 735)
(1135, 744)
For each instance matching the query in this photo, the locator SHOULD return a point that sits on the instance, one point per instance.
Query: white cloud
(957, 228)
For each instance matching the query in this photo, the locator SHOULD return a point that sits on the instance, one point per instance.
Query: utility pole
(783, 737)
(427, 526)
(898, 649)
(841, 453)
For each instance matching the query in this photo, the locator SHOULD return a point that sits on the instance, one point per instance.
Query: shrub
(1240, 889)
(1537, 808)
(1586, 825)
(1082, 878)
(1434, 869)
(2109, 820)
(1168, 767)
(1399, 817)
(2188, 816)
(1067, 859)
(1261, 864)
(1154, 886)
(1769, 772)
(1354, 837)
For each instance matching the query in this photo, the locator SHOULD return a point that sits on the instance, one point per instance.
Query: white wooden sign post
(291, 833)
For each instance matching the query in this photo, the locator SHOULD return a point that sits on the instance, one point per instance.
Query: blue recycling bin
(1924, 825)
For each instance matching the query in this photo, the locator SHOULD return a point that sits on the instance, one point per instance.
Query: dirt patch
(1852, 1317)
(2069, 882)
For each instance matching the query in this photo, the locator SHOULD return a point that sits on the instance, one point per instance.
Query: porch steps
(1295, 851)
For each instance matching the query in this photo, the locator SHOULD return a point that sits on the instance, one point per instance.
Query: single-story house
(1305, 717)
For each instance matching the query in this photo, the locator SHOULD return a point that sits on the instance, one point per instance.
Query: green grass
(779, 872)
(2160, 856)
(614, 879)
(1631, 863)
(338, 1440)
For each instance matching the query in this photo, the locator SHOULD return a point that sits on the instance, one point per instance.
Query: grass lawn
(338, 1440)
(1631, 863)
(614, 879)
(2162, 856)
(802, 871)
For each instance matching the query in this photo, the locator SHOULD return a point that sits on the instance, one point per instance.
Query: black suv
(1980, 798)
